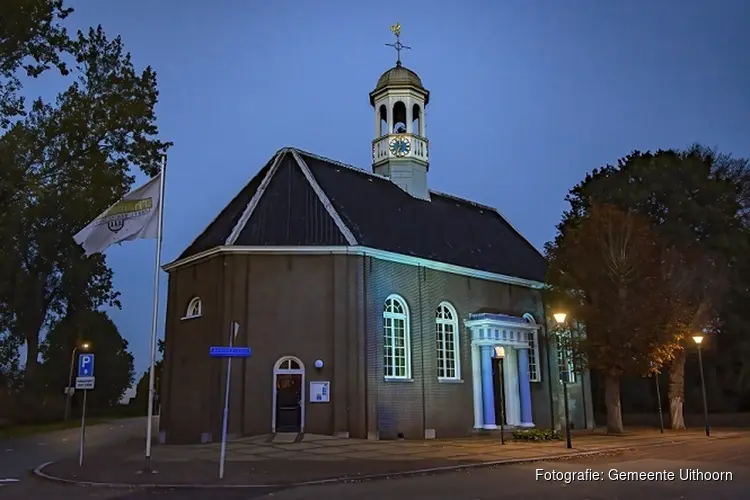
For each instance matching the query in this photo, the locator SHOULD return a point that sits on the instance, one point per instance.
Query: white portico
(499, 355)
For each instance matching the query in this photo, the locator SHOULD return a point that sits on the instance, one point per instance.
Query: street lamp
(560, 318)
(698, 339)
(69, 389)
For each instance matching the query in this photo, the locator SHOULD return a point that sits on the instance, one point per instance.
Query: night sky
(526, 97)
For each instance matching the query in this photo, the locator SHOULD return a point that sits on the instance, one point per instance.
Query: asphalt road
(728, 456)
(19, 456)
(528, 481)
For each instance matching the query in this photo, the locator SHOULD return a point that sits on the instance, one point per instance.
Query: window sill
(397, 379)
(190, 317)
(450, 380)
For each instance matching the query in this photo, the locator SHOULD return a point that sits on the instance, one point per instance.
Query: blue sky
(526, 97)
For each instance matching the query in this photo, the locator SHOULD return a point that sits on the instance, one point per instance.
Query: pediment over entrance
(492, 329)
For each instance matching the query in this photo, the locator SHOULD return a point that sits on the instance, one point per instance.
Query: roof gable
(289, 213)
(302, 199)
(219, 229)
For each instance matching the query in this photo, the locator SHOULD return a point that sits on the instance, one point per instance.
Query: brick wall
(330, 307)
(287, 305)
(410, 407)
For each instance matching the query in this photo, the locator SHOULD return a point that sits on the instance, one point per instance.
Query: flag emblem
(115, 217)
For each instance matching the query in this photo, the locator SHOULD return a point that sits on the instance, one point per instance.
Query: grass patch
(17, 431)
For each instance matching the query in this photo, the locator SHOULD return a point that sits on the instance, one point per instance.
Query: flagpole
(155, 318)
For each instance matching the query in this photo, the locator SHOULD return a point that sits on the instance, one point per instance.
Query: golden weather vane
(396, 30)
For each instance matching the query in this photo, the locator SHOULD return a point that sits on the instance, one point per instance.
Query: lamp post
(560, 318)
(698, 339)
(69, 395)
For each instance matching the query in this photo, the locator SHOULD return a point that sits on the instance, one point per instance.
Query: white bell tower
(400, 150)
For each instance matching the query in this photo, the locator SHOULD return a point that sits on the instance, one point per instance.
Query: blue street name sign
(86, 365)
(229, 352)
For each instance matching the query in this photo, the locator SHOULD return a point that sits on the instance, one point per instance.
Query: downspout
(217, 372)
(549, 377)
(420, 271)
(348, 371)
(246, 334)
(167, 372)
(332, 259)
(549, 368)
(365, 357)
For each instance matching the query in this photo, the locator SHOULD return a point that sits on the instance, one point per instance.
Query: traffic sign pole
(84, 381)
(83, 430)
(228, 352)
(225, 421)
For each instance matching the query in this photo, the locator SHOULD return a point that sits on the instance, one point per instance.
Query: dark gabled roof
(290, 213)
(306, 194)
(216, 233)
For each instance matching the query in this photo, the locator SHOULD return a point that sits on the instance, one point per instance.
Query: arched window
(399, 118)
(194, 308)
(383, 112)
(448, 354)
(288, 363)
(396, 341)
(416, 123)
(565, 359)
(535, 372)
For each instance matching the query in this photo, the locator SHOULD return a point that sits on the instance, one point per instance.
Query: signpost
(228, 352)
(658, 398)
(85, 382)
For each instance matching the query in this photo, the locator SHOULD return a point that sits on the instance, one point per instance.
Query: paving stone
(254, 461)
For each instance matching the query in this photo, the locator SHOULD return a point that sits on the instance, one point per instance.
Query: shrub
(536, 435)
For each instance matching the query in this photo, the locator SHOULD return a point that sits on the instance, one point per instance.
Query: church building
(374, 307)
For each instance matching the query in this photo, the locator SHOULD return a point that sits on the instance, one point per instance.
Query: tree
(141, 391)
(10, 370)
(114, 363)
(697, 201)
(62, 166)
(31, 40)
(733, 340)
(605, 270)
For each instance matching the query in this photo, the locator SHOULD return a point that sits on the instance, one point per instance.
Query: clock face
(400, 146)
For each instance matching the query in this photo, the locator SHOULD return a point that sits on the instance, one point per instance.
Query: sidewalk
(285, 460)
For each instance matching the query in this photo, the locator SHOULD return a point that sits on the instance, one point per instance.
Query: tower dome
(399, 76)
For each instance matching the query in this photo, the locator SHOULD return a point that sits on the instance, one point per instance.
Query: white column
(512, 395)
(409, 116)
(390, 115)
(476, 381)
(377, 120)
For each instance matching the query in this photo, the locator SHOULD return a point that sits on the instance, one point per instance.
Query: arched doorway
(288, 409)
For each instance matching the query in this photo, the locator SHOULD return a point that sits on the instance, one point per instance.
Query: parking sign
(86, 365)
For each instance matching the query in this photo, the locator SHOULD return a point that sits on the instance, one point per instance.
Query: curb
(38, 471)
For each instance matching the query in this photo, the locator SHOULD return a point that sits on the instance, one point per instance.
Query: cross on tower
(396, 30)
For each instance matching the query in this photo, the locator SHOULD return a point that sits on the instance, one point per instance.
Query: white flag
(134, 217)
